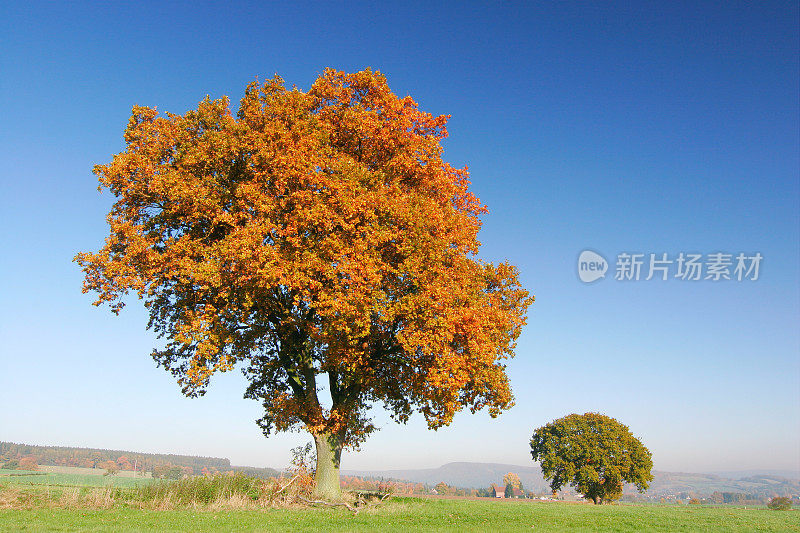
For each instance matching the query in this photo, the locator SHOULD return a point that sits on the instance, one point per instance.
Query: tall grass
(202, 489)
(218, 491)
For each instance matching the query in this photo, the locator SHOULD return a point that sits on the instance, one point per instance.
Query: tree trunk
(329, 454)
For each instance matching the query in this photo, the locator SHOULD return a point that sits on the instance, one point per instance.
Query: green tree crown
(594, 453)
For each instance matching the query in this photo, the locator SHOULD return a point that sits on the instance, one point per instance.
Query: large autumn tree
(593, 452)
(319, 240)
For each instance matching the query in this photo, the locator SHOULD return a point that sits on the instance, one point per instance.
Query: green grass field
(59, 479)
(403, 514)
(57, 501)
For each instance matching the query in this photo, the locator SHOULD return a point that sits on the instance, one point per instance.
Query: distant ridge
(481, 475)
(737, 474)
(92, 457)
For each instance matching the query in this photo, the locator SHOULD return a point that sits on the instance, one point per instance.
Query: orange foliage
(124, 464)
(512, 479)
(28, 463)
(314, 233)
(109, 466)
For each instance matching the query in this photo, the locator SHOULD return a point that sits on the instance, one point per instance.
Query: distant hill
(738, 474)
(145, 462)
(765, 486)
(481, 475)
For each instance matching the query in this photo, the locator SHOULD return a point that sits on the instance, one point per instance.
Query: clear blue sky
(654, 127)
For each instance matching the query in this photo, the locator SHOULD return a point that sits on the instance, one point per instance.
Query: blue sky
(652, 128)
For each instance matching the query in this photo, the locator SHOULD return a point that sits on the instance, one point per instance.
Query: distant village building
(500, 492)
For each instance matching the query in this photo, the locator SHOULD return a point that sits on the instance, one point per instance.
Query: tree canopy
(594, 453)
(512, 479)
(315, 239)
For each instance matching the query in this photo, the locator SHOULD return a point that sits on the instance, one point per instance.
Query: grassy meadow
(235, 504)
(402, 514)
(69, 477)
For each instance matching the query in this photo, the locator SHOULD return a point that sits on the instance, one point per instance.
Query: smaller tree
(512, 479)
(509, 492)
(111, 467)
(442, 487)
(28, 463)
(594, 453)
(780, 503)
(174, 472)
(11, 464)
(304, 458)
(160, 470)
